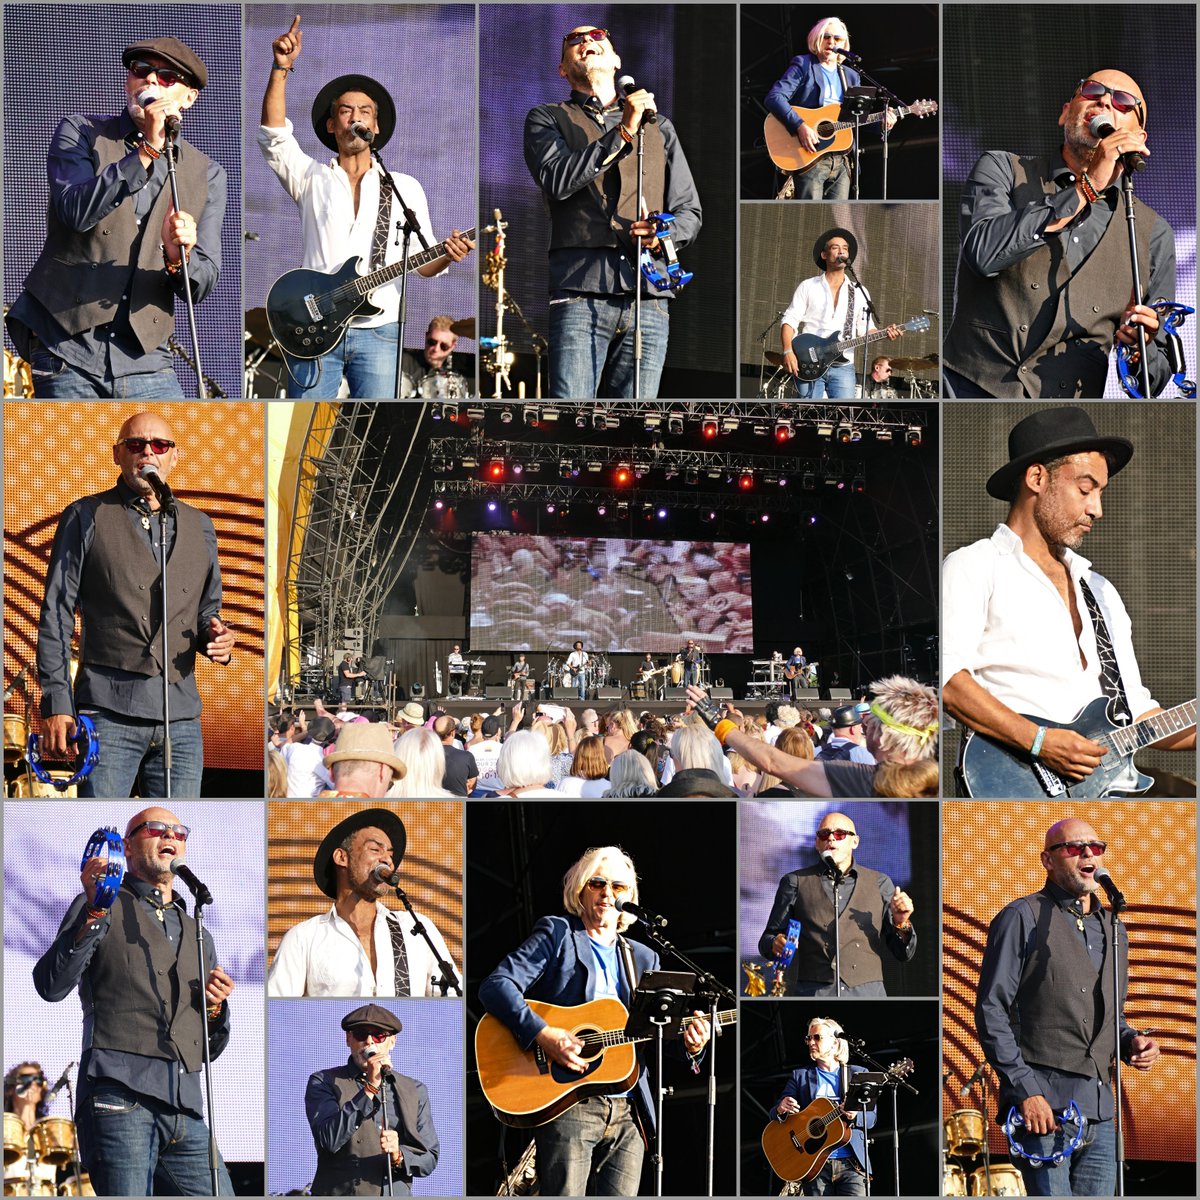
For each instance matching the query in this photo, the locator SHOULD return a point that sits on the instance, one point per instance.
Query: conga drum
(676, 674)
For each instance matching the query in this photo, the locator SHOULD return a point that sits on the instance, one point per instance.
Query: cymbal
(258, 328)
(464, 328)
(773, 357)
(912, 364)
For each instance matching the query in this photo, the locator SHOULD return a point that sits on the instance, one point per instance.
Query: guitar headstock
(902, 1069)
(922, 108)
(916, 325)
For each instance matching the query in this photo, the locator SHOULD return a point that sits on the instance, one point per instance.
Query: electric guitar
(526, 1088)
(834, 136)
(815, 355)
(308, 310)
(988, 769)
(799, 1146)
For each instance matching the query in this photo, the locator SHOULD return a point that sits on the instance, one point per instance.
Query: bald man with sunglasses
(873, 913)
(1044, 287)
(1044, 1016)
(104, 566)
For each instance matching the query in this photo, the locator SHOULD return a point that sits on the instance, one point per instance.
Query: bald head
(1070, 859)
(148, 427)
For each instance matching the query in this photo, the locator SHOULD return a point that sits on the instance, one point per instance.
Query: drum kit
(966, 1138)
(33, 1160)
(918, 389)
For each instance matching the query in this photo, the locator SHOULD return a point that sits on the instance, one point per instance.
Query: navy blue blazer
(555, 965)
(801, 86)
(803, 1086)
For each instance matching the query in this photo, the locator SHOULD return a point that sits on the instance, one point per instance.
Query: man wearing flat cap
(360, 947)
(829, 305)
(348, 210)
(98, 306)
(372, 1126)
(1031, 634)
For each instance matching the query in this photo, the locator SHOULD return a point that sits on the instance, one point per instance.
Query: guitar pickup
(314, 309)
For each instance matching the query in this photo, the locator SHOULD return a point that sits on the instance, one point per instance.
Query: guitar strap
(399, 955)
(628, 967)
(379, 240)
(1110, 672)
(848, 327)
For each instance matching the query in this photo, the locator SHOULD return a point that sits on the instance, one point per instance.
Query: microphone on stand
(626, 84)
(381, 874)
(643, 914)
(965, 1090)
(202, 894)
(60, 1083)
(1100, 127)
(361, 131)
(833, 868)
(162, 489)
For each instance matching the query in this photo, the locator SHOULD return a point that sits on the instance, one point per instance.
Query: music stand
(859, 102)
(862, 1095)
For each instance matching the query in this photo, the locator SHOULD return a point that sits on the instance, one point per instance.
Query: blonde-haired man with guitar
(587, 1133)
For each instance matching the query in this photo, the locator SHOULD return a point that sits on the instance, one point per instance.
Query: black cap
(372, 1014)
(354, 83)
(836, 231)
(172, 51)
(379, 818)
(1053, 433)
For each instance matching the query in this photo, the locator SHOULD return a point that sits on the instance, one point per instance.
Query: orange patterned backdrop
(431, 873)
(57, 451)
(990, 855)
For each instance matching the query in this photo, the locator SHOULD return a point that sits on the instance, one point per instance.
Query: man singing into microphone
(1044, 285)
(594, 1147)
(99, 304)
(347, 209)
(104, 565)
(140, 1108)
(1044, 1017)
(582, 153)
(872, 913)
(363, 1113)
(360, 947)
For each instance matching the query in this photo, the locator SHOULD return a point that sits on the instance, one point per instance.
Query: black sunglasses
(1093, 89)
(136, 445)
(167, 76)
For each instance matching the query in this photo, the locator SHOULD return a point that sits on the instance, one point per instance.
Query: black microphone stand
(166, 505)
(1143, 359)
(1117, 903)
(894, 1083)
(385, 1079)
(870, 307)
(411, 226)
(171, 151)
(637, 268)
(888, 97)
(449, 981)
(837, 929)
(203, 896)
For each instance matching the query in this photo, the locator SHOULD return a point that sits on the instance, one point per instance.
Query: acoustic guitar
(526, 1088)
(800, 1145)
(833, 136)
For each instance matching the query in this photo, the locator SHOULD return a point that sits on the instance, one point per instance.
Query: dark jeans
(591, 346)
(593, 1149)
(134, 1145)
(838, 1177)
(1090, 1171)
(128, 745)
(54, 379)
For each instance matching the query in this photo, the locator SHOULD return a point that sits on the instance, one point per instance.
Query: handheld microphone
(145, 97)
(965, 1090)
(626, 84)
(1100, 127)
(643, 914)
(171, 124)
(60, 1083)
(1106, 882)
(382, 875)
(162, 489)
(361, 131)
(202, 894)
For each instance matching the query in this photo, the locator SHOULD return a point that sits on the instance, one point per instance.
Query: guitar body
(988, 769)
(814, 356)
(799, 1146)
(526, 1089)
(787, 153)
(790, 673)
(303, 334)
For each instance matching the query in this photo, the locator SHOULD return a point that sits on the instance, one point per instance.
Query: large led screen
(614, 594)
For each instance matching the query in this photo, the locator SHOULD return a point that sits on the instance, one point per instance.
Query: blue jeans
(1090, 1171)
(838, 1177)
(593, 1149)
(837, 383)
(134, 1145)
(54, 379)
(691, 674)
(591, 346)
(128, 744)
(827, 179)
(366, 357)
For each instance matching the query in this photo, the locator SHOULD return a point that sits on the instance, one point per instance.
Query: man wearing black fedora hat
(347, 209)
(359, 947)
(1028, 626)
(363, 1114)
(847, 741)
(829, 305)
(98, 307)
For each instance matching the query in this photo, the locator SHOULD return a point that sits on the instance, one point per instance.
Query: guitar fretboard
(368, 283)
(618, 1037)
(1128, 738)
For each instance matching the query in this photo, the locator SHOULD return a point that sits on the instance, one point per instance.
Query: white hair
(818, 31)
(524, 760)
(694, 747)
(630, 774)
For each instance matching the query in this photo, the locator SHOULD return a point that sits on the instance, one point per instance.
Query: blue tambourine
(84, 728)
(1069, 1114)
(107, 839)
(1172, 319)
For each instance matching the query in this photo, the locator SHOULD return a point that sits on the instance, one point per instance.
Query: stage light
(913, 435)
(440, 465)
(550, 414)
(622, 508)
(564, 468)
(580, 420)
(623, 475)
(506, 416)
(470, 461)
(492, 506)
(812, 518)
(675, 423)
(475, 413)
(783, 431)
(708, 427)
(691, 475)
(439, 505)
(550, 507)
(765, 518)
(662, 514)
(599, 419)
(883, 435)
(859, 484)
(435, 412)
(844, 431)
(746, 480)
(417, 691)
(602, 510)
(729, 424)
(595, 466)
(824, 430)
(529, 414)
(640, 468)
(450, 411)
(707, 517)
(517, 468)
(652, 422)
(495, 468)
(808, 481)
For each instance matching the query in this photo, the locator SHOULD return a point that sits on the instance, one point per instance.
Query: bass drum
(445, 385)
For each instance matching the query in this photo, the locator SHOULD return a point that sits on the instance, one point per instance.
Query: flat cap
(372, 1014)
(172, 51)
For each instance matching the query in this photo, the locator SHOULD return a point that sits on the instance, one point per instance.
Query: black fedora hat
(379, 818)
(354, 83)
(836, 231)
(1052, 433)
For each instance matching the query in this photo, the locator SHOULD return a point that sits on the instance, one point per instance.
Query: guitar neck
(374, 279)
(618, 1037)
(865, 340)
(1129, 738)
(873, 119)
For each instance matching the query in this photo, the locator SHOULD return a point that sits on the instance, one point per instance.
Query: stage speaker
(840, 694)
(610, 693)
(498, 691)
(561, 693)
(678, 695)
(722, 693)
(808, 693)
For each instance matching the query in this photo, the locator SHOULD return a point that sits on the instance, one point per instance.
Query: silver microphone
(1100, 127)
(361, 131)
